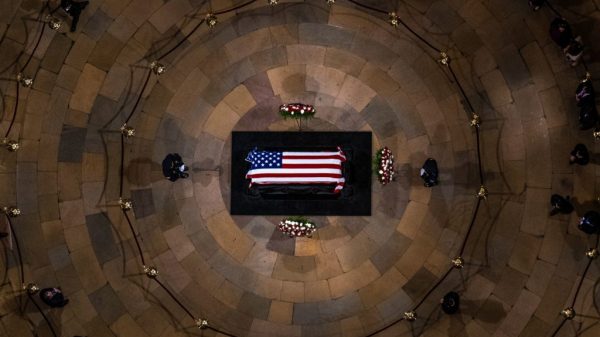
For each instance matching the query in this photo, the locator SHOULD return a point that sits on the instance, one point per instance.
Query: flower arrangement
(384, 165)
(297, 227)
(297, 111)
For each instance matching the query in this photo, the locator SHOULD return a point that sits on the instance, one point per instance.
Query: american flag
(273, 167)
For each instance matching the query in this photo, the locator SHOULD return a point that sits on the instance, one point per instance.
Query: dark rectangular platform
(355, 198)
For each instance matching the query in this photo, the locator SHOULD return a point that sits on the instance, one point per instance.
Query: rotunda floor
(357, 276)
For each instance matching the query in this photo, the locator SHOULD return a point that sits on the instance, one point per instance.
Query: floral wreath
(383, 165)
(297, 111)
(297, 227)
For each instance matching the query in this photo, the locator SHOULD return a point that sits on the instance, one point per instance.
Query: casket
(298, 174)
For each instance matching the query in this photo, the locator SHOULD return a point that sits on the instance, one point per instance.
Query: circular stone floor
(356, 274)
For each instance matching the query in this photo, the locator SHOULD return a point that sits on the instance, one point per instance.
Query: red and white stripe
(303, 168)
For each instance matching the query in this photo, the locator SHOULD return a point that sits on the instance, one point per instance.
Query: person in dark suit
(429, 172)
(573, 52)
(585, 94)
(53, 297)
(588, 116)
(560, 204)
(579, 155)
(590, 223)
(174, 168)
(450, 303)
(560, 32)
(74, 9)
(586, 100)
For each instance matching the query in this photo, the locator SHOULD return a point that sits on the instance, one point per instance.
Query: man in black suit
(74, 9)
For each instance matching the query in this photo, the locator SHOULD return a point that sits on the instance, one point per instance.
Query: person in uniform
(174, 168)
(429, 172)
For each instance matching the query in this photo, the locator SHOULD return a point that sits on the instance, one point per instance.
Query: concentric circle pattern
(356, 275)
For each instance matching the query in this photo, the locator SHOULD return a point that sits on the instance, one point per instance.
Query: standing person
(429, 172)
(179, 168)
(588, 116)
(74, 9)
(573, 52)
(579, 155)
(53, 297)
(560, 204)
(536, 4)
(585, 94)
(450, 303)
(173, 167)
(560, 32)
(590, 223)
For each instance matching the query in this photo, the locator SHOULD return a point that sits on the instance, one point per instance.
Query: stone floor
(357, 274)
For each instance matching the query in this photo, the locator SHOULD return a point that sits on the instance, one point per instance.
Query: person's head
(562, 27)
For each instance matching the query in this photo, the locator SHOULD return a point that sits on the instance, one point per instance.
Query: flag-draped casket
(287, 167)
